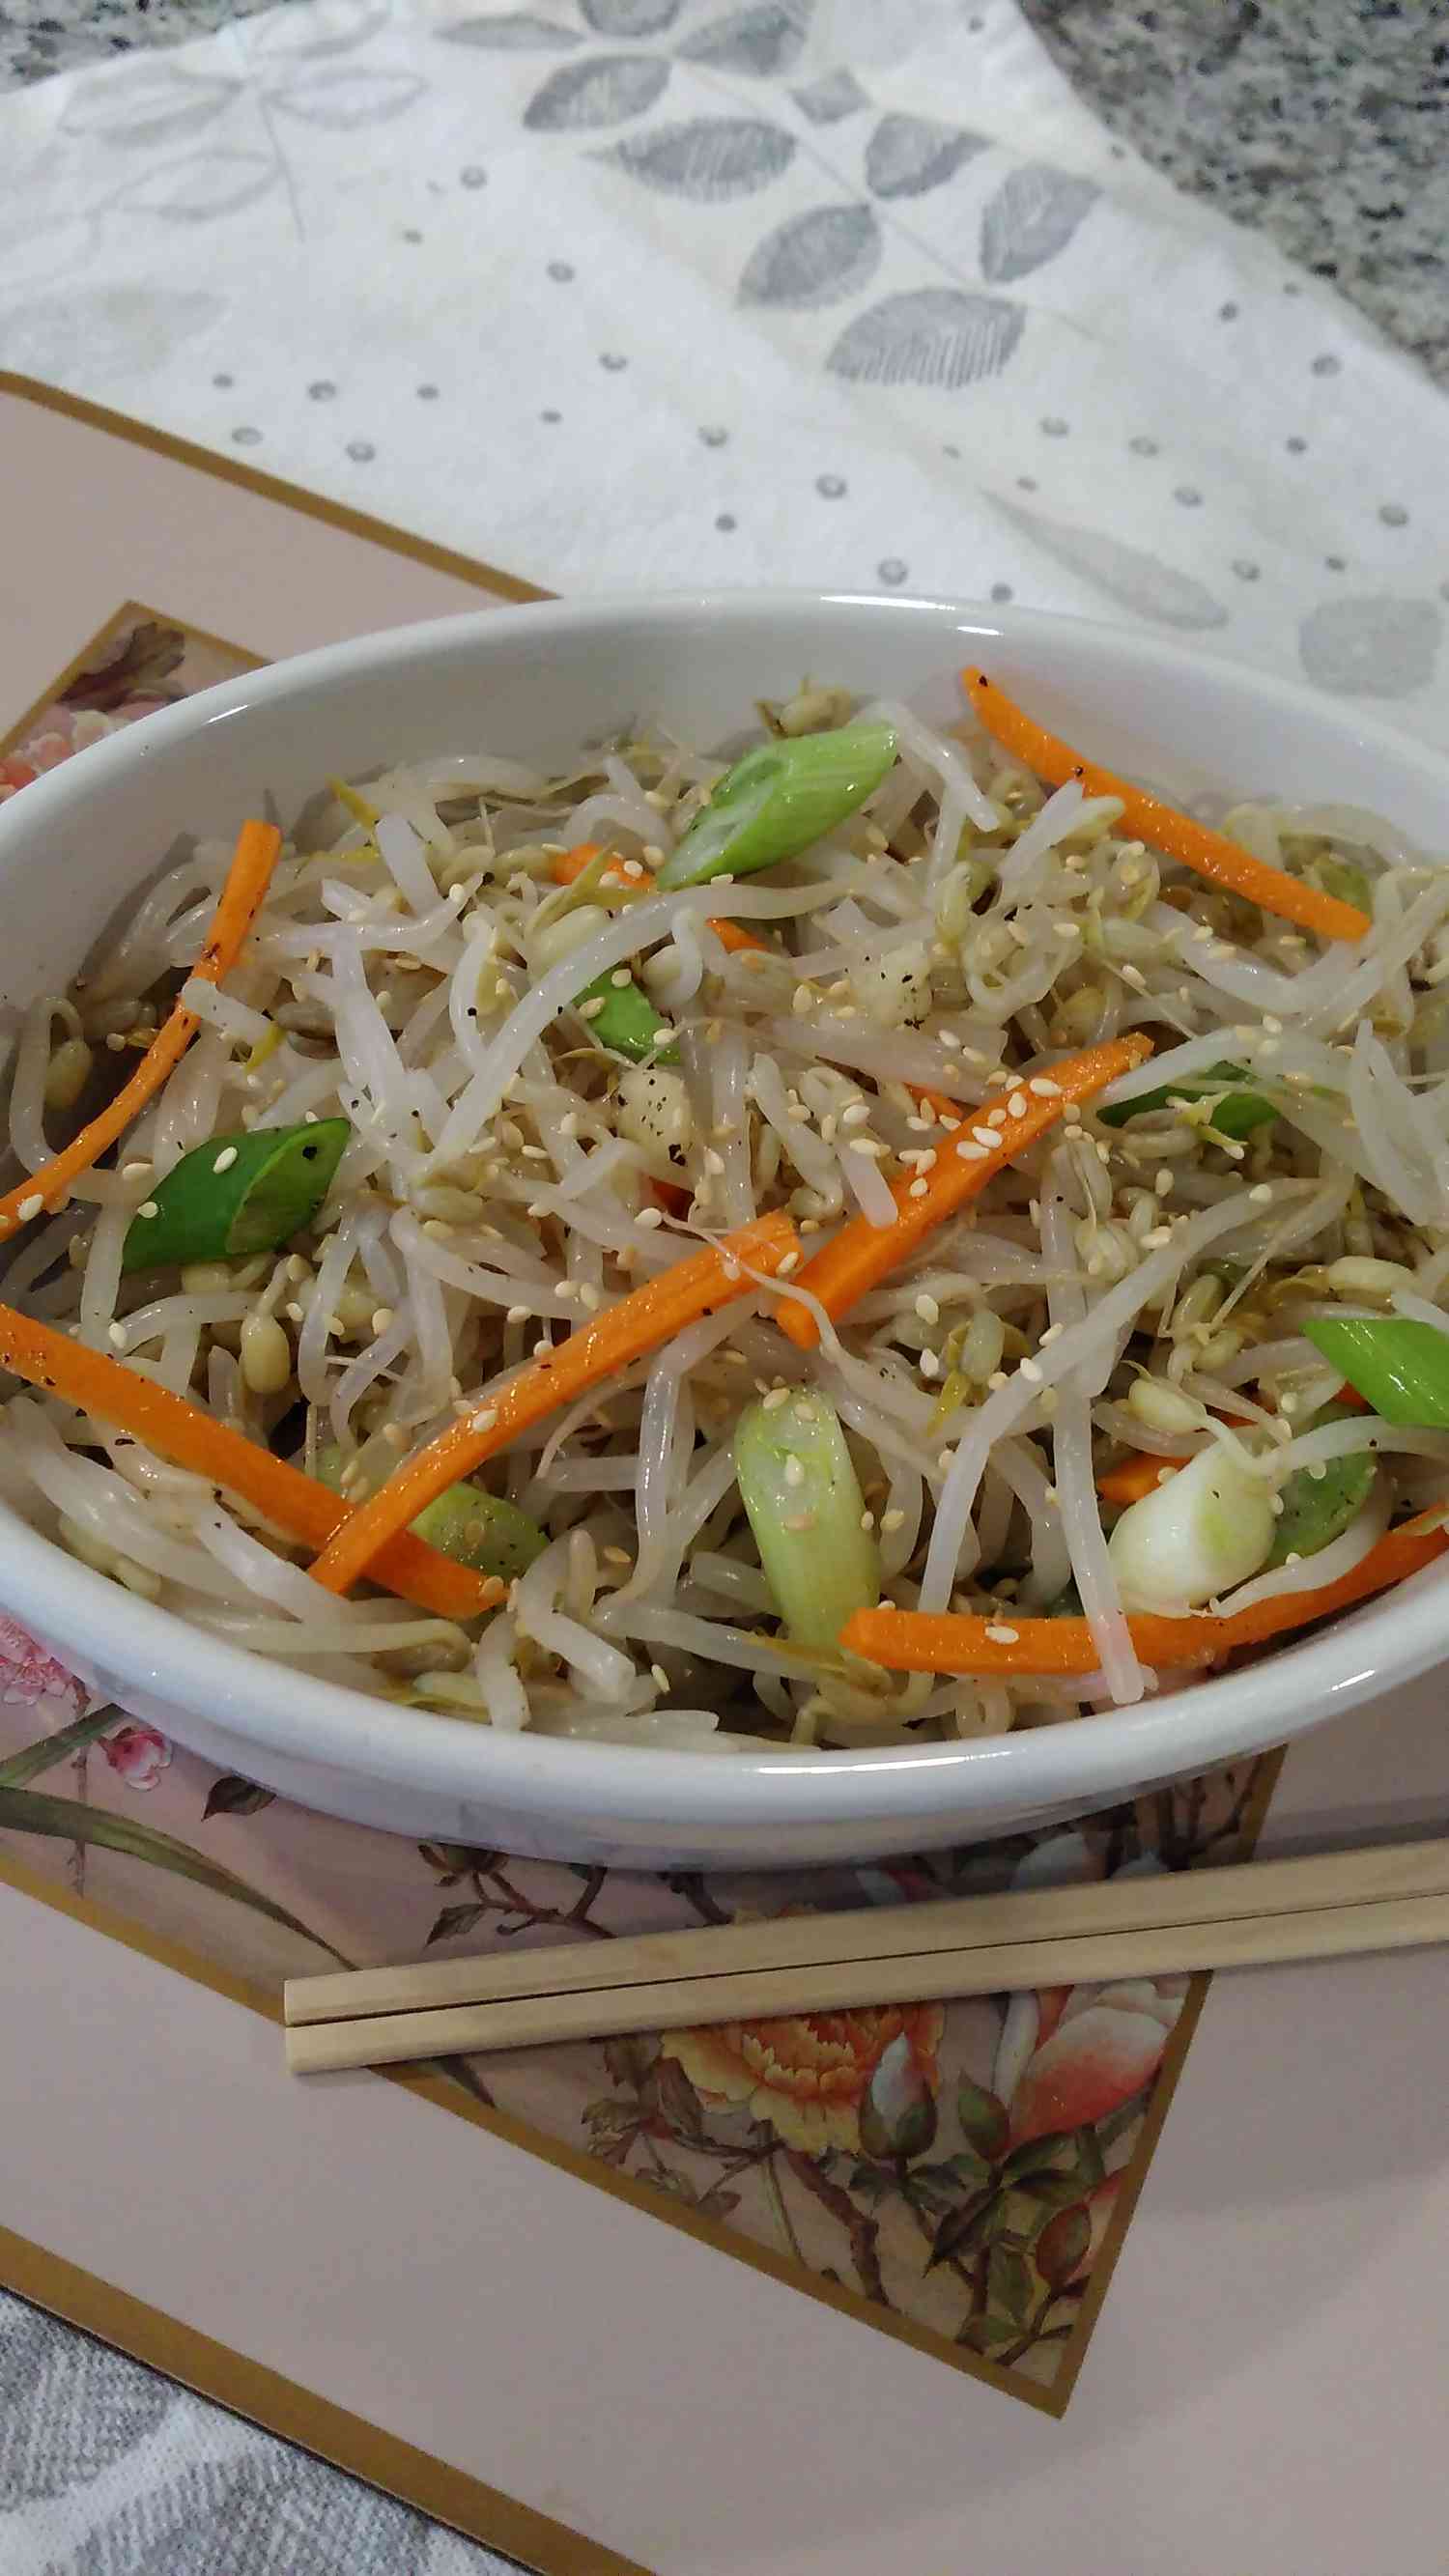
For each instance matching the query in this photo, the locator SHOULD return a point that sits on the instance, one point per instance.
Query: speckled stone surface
(1318, 122)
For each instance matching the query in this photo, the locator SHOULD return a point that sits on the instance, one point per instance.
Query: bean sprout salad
(897, 1236)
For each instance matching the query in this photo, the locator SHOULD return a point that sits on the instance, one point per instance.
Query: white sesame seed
(869, 1145)
(650, 1216)
(867, 1520)
(1030, 1372)
(1016, 1105)
(149, 1207)
(620, 977)
(986, 1137)
(927, 1308)
(116, 1336)
(382, 1316)
(794, 1471)
(1160, 1234)
(892, 1521)
(225, 1159)
(1067, 929)
(856, 1115)
(919, 1190)
(591, 1010)
(790, 1262)
(485, 1420)
(777, 1396)
(30, 1207)
(999, 1636)
(972, 1153)
(1261, 1192)
(136, 1171)
(997, 1379)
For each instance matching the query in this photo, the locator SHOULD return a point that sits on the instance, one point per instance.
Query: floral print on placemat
(959, 2173)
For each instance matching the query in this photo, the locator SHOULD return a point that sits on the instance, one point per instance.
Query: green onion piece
(481, 1530)
(1318, 1509)
(237, 1194)
(1341, 878)
(1236, 1114)
(472, 1527)
(1399, 1367)
(628, 1024)
(779, 799)
(804, 1504)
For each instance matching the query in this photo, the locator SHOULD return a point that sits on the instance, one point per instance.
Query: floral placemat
(960, 2176)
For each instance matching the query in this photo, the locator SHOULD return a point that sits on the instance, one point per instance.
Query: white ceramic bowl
(536, 683)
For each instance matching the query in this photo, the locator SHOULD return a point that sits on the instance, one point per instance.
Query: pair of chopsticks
(1388, 1897)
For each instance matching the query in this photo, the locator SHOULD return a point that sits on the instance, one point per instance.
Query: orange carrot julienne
(916, 1641)
(1136, 1477)
(569, 866)
(247, 880)
(1211, 854)
(620, 1335)
(862, 1254)
(180, 1432)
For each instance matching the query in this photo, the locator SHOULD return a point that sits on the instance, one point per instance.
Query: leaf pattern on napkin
(630, 17)
(518, 34)
(201, 186)
(1371, 647)
(906, 155)
(760, 41)
(814, 259)
(342, 101)
(1134, 579)
(328, 27)
(937, 335)
(68, 2409)
(602, 92)
(1032, 217)
(152, 108)
(117, 326)
(834, 95)
(711, 159)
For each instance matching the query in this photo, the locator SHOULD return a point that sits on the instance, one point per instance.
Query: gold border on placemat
(270, 487)
(296, 2414)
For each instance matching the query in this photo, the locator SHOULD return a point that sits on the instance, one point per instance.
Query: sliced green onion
(804, 1504)
(471, 1526)
(1399, 1367)
(1317, 1509)
(779, 799)
(1235, 1115)
(237, 1194)
(628, 1024)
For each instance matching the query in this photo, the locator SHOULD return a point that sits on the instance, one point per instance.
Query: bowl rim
(327, 1724)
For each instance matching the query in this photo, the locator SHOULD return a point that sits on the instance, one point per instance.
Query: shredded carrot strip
(915, 1641)
(180, 1432)
(1225, 863)
(622, 1334)
(247, 880)
(1136, 1477)
(862, 1254)
(569, 866)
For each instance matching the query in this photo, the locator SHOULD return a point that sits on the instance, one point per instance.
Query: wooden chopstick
(1389, 1896)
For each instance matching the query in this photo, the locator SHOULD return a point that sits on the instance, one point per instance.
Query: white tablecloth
(654, 293)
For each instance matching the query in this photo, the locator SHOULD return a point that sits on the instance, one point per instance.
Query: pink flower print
(29, 1672)
(138, 1753)
(1107, 2044)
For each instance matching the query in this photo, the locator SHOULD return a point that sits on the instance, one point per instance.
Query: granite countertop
(1314, 124)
